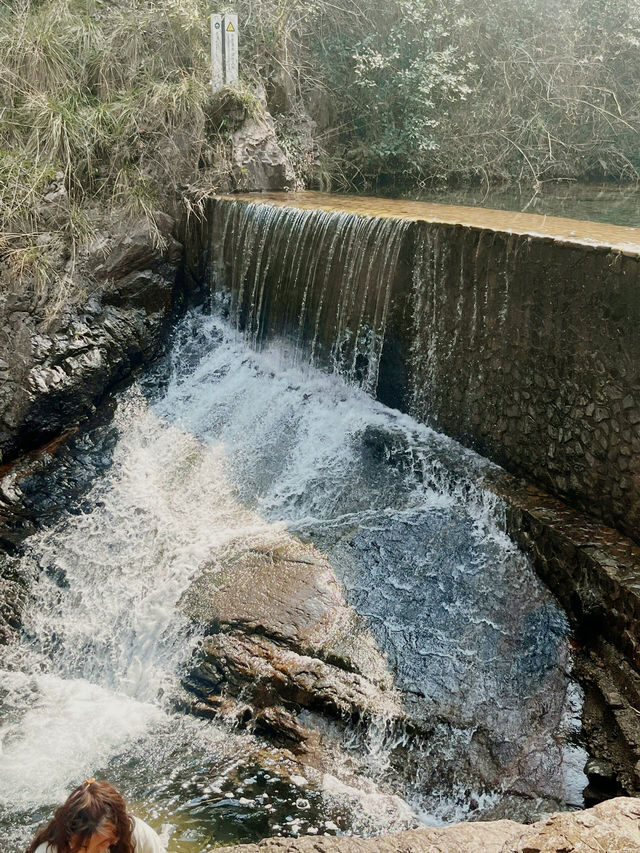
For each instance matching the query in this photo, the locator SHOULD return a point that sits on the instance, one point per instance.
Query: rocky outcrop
(58, 361)
(254, 160)
(613, 826)
(284, 654)
(56, 365)
(258, 161)
(281, 637)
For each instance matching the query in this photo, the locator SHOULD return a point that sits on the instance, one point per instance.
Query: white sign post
(217, 68)
(224, 50)
(230, 49)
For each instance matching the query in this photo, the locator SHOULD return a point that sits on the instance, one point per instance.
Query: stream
(217, 442)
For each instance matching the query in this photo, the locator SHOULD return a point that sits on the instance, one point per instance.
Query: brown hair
(88, 808)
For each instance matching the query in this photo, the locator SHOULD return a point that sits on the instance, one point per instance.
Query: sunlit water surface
(219, 443)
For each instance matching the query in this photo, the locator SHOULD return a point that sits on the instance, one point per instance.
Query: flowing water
(322, 278)
(221, 442)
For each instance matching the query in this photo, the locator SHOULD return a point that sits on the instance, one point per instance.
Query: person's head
(94, 819)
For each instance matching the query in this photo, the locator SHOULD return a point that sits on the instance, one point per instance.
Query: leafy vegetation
(454, 90)
(110, 101)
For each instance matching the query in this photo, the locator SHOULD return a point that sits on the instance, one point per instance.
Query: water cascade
(238, 437)
(467, 318)
(322, 279)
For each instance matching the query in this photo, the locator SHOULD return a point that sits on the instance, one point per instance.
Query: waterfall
(237, 434)
(320, 279)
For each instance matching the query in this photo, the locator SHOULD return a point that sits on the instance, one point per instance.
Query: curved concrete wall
(518, 335)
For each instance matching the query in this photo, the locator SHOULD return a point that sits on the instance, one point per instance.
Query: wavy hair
(87, 810)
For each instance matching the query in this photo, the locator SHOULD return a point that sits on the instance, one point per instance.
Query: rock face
(613, 827)
(281, 637)
(54, 369)
(57, 364)
(258, 160)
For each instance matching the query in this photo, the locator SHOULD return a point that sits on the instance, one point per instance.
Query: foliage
(404, 76)
(556, 94)
(111, 97)
(416, 90)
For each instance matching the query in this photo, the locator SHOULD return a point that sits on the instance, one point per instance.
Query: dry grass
(112, 98)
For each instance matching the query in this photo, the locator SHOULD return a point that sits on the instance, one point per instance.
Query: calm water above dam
(617, 205)
(221, 443)
(565, 229)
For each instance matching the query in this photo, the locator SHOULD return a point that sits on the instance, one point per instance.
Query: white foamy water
(233, 444)
(71, 726)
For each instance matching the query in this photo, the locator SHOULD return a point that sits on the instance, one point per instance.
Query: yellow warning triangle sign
(230, 28)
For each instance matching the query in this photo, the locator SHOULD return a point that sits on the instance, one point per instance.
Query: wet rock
(57, 365)
(282, 636)
(612, 826)
(603, 781)
(595, 573)
(57, 362)
(258, 668)
(12, 601)
(280, 723)
(138, 250)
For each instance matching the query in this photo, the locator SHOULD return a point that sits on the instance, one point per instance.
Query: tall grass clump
(106, 99)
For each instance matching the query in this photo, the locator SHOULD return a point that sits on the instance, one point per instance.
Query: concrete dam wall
(518, 335)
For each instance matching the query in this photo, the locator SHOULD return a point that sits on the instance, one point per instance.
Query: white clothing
(147, 840)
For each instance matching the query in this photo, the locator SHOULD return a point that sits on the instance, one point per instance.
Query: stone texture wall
(528, 349)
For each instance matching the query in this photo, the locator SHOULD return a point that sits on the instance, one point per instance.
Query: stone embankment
(595, 573)
(612, 827)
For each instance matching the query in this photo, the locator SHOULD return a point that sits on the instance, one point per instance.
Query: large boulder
(280, 635)
(258, 161)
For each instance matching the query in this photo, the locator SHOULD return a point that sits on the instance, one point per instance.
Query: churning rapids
(220, 442)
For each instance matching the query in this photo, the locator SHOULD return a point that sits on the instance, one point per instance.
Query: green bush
(425, 90)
